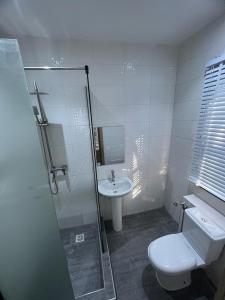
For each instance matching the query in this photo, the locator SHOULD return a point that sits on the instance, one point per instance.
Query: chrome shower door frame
(101, 230)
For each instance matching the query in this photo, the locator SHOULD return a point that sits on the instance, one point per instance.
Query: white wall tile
(161, 112)
(107, 74)
(190, 90)
(162, 75)
(77, 116)
(108, 115)
(57, 114)
(107, 53)
(59, 135)
(137, 75)
(105, 95)
(187, 110)
(137, 55)
(164, 56)
(75, 53)
(131, 85)
(182, 146)
(162, 92)
(39, 50)
(159, 149)
(137, 145)
(137, 93)
(160, 128)
(184, 129)
(136, 113)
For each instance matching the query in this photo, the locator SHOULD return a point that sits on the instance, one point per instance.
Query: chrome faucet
(113, 175)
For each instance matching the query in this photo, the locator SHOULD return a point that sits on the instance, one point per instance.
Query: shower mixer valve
(62, 169)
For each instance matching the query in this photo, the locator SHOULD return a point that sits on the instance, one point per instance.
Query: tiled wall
(131, 85)
(193, 55)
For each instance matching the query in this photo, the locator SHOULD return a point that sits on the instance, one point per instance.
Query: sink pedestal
(117, 213)
(115, 189)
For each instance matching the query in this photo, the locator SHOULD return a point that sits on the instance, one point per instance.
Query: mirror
(109, 145)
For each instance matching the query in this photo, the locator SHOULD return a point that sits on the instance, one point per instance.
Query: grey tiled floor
(133, 275)
(83, 259)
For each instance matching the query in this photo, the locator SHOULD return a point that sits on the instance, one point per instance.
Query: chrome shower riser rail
(42, 123)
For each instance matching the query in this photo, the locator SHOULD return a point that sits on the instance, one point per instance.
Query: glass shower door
(63, 97)
(32, 261)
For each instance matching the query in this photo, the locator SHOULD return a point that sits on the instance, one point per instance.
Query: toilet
(174, 256)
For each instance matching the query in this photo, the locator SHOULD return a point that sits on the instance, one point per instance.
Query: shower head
(41, 108)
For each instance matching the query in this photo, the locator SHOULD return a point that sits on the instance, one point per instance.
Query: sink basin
(115, 190)
(119, 188)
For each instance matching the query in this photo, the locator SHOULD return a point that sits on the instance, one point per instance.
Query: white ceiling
(144, 21)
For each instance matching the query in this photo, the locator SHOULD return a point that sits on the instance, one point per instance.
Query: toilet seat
(171, 254)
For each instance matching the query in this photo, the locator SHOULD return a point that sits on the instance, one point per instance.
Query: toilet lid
(171, 254)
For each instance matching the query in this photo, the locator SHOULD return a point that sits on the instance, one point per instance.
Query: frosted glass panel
(64, 102)
(32, 263)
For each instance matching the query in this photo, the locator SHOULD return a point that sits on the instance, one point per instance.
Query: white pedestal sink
(115, 190)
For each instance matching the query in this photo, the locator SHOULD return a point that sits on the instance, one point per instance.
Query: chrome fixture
(113, 175)
(42, 123)
(183, 206)
(56, 68)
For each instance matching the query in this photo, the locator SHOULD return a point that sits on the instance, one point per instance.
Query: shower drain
(79, 238)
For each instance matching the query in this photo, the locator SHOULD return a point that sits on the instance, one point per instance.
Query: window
(208, 165)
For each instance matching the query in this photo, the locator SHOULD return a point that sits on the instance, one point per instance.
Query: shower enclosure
(61, 102)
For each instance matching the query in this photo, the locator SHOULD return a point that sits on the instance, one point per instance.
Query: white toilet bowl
(173, 259)
(174, 256)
